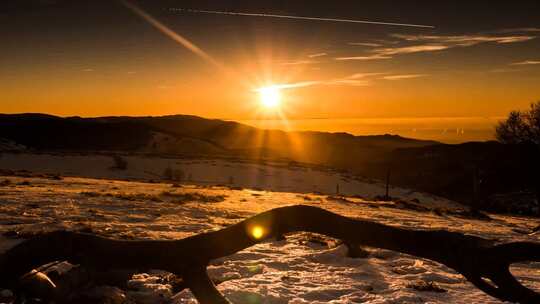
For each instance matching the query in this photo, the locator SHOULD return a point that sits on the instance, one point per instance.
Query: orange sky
(107, 67)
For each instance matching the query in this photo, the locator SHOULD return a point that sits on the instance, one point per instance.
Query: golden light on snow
(270, 97)
(257, 232)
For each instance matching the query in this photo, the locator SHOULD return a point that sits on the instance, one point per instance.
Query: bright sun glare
(257, 232)
(270, 97)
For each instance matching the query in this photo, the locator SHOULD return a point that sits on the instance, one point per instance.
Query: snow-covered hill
(269, 175)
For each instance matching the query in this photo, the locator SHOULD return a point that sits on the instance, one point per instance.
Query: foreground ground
(303, 269)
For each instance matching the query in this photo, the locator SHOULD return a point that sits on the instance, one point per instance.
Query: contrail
(299, 17)
(171, 34)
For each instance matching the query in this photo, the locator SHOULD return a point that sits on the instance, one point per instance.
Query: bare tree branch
(476, 258)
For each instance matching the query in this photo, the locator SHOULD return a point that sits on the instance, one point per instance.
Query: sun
(270, 97)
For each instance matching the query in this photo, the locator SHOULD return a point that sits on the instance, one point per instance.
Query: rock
(426, 286)
(53, 281)
(36, 284)
(6, 296)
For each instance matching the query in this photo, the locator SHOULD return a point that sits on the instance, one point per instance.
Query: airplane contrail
(171, 34)
(299, 17)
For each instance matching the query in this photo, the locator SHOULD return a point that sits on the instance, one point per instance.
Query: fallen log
(483, 262)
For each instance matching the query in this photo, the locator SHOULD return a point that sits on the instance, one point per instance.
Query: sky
(451, 80)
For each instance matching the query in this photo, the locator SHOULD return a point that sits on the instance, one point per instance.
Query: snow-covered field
(275, 176)
(302, 269)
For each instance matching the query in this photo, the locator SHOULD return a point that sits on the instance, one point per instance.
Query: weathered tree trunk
(476, 258)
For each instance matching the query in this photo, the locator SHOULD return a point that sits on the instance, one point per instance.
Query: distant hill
(191, 135)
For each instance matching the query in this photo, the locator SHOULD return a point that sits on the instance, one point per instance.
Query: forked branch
(475, 258)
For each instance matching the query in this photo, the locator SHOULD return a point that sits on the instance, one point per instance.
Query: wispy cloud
(355, 80)
(411, 49)
(300, 62)
(365, 75)
(87, 70)
(349, 82)
(401, 77)
(338, 81)
(409, 44)
(520, 30)
(465, 40)
(505, 70)
(294, 85)
(527, 62)
(317, 55)
(364, 58)
(368, 44)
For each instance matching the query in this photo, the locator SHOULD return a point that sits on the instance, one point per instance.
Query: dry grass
(194, 197)
(125, 196)
(178, 197)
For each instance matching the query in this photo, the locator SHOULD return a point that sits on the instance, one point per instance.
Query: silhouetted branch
(476, 258)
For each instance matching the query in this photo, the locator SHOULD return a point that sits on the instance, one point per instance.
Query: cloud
(411, 49)
(294, 85)
(409, 44)
(465, 40)
(368, 44)
(401, 77)
(87, 70)
(338, 81)
(520, 30)
(365, 58)
(505, 70)
(299, 84)
(300, 62)
(317, 55)
(349, 82)
(527, 62)
(355, 80)
(365, 75)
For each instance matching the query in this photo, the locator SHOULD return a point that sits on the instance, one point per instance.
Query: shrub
(119, 163)
(173, 174)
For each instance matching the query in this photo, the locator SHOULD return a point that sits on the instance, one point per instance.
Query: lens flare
(257, 232)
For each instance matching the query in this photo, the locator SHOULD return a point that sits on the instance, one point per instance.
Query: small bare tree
(520, 127)
(174, 174)
(119, 163)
